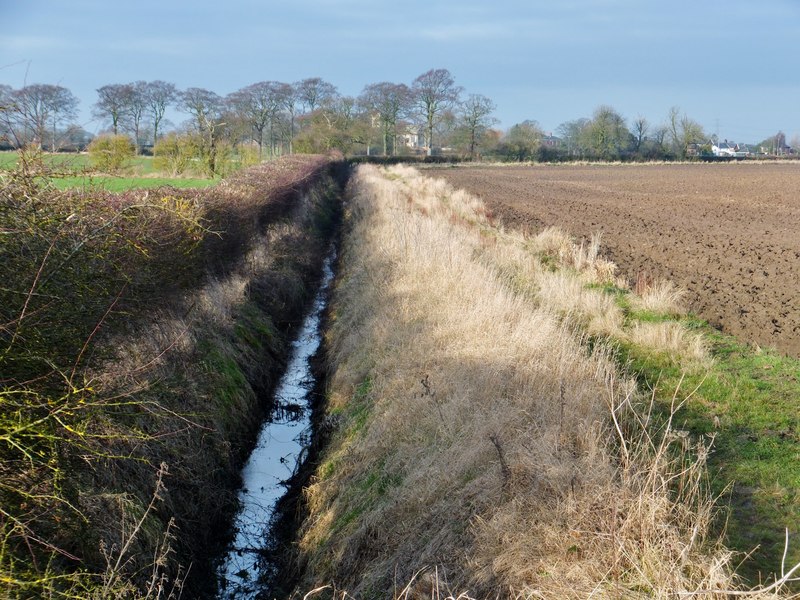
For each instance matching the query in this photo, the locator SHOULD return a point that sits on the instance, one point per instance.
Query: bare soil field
(729, 233)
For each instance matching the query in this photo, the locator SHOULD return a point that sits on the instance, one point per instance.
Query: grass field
(71, 171)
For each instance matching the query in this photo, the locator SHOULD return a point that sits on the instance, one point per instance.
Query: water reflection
(278, 452)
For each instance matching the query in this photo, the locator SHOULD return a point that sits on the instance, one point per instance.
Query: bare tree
(606, 134)
(158, 95)
(113, 102)
(660, 139)
(291, 97)
(475, 119)
(434, 93)
(640, 129)
(258, 106)
(522, 141)
(134, 118)
(780, 143)
(205, 108)
(683, 131)
(572, 133)
(338, 124)
(40, 107)
(386, 101)
(7, 112)
(314, 92)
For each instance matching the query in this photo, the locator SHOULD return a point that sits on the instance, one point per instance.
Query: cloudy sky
(729, 64)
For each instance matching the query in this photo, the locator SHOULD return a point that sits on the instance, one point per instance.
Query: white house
(726, 148)
(409, 137)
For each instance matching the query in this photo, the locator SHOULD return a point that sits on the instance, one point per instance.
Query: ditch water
(282, 442)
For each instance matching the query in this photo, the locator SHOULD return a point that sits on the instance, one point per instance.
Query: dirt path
(727, 233)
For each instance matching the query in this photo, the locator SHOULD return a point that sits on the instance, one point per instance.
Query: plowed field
(729, 233)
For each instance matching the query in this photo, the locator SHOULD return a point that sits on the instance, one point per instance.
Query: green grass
(121, 184)
(140, 165)
(66, 160)
(748, 402)
(74, 171)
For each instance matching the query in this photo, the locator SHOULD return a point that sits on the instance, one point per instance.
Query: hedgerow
(127, 389)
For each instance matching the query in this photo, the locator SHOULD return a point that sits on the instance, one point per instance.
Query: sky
(729, 64)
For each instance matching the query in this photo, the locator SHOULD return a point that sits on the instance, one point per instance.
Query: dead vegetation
(481, 448)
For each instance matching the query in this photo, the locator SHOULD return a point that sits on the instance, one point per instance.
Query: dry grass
(673, 339)
(658, 296)
(475, 434)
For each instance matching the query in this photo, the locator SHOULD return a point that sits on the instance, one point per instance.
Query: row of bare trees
(277, 117)
(128, 106)
(38, 113)
(311, 115)
(426, 115)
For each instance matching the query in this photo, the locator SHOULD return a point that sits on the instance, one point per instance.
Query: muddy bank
(726, 233)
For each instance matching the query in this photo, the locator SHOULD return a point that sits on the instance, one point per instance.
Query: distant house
(694, 149)
(409, 137)
(551, 141)
(729, 149)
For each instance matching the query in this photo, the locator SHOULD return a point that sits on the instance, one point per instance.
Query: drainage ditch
(283, 442)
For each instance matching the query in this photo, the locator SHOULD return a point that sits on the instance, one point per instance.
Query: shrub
(108, 153)
(109, 301)
(248, 156)
(174, 153)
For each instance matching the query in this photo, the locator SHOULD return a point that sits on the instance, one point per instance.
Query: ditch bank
(121, 466)
(245, 364)
(259, 558)
(480, 444)
(221, 384)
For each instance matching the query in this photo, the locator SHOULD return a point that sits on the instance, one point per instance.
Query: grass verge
(484, 441)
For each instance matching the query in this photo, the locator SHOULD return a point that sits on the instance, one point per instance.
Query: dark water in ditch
(281, 444)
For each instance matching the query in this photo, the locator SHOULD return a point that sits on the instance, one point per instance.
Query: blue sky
(731, 65)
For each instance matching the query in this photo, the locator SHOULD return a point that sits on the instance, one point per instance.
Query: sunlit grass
(121, 184)
(74, 171)
(482, 423)
(747, 400)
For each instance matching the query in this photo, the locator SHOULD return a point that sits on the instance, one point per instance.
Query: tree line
(273, 117)
(605, 136)
(270, 118)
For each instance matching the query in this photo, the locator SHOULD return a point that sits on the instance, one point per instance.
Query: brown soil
(727, 233)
